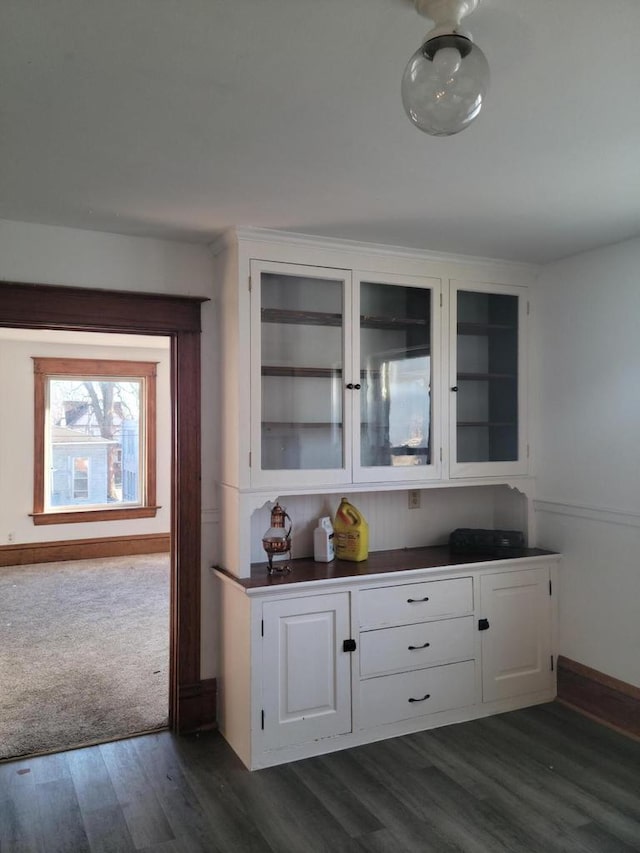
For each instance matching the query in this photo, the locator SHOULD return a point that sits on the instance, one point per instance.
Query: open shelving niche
(392, 525)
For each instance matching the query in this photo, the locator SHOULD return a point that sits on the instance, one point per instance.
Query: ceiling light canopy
(446, 80)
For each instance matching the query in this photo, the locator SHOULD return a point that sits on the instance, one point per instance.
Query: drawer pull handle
(417, 600)
(426, 696)
(413, 648)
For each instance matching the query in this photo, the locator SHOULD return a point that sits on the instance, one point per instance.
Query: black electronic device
(466, 540)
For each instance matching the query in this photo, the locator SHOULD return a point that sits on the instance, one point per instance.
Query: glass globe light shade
(444, 84)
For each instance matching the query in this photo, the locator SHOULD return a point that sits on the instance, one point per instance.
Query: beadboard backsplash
(391, 523)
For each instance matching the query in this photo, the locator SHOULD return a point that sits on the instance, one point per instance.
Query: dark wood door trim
(38, 306)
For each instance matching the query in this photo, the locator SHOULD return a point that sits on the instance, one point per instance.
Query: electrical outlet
(414, 499)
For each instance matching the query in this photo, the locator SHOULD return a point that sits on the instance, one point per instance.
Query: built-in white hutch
(397, 378)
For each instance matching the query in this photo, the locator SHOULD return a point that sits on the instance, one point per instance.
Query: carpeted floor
(84, 651)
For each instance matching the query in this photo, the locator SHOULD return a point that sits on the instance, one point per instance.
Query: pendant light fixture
(446, 80)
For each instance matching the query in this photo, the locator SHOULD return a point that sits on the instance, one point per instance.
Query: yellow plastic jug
(351, 533)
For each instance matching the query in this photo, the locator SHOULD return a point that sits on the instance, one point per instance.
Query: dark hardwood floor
(542, 779)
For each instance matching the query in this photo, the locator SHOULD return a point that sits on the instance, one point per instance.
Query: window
(95, 440)
(80, 478)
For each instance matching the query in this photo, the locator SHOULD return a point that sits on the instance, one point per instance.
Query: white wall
(50, 255)
(17, 432)
(588, 451)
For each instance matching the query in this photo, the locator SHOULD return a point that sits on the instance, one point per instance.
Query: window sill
(88, 515)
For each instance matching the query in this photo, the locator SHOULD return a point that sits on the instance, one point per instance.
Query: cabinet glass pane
(487, 377)
(395, 362)
(302, 363)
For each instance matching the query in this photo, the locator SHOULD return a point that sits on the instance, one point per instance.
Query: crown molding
(242, 233)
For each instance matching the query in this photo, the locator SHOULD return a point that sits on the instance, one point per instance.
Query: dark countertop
(378, 562)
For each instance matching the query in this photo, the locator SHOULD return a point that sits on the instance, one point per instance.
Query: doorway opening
(35, 306)
(85, 580)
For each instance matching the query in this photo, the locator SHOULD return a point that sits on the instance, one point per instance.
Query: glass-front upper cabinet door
(396, 403)
(299, 337)
(487, 410)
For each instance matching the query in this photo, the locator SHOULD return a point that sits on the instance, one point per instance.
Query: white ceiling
(179, 118)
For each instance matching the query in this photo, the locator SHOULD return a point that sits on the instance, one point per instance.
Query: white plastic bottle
(323, 541)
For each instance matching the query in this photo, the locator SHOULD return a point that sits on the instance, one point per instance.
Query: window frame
(46, 368)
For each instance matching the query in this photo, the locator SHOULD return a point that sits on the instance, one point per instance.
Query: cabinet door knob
(454, 388)
(413, 648)
(483, 624)
(349, 646)
(426, 696)
(357, 386)
(417, 600)
(350, 386)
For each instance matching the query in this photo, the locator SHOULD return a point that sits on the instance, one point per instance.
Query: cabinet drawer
(415, 646)
(402, 605)
(441, 688)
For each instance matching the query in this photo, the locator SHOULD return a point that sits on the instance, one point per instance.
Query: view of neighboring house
(81, 459)
(79, 467)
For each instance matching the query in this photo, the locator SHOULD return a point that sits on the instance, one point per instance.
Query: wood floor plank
(290, 817)
(337, 798)
(60, 821)
(101, 812)
(596, 840)
(477, 824)
(410, 831)
(190, 821)
(593, 750)
(609, 741)
(19, 814)
(50, 768)
(145, 819)
(18, 830)
(381, 841)
(586, 786)
(527, 806)
(514, 784)
(211, 767)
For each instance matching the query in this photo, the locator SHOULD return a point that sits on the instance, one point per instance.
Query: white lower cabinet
(516, 646)
(306, 673)
(316, 666)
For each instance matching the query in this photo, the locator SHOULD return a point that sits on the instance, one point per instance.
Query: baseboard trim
(84, 549)
(600, 697)
(198, 706)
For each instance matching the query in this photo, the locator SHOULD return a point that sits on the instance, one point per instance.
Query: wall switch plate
(414, 499)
